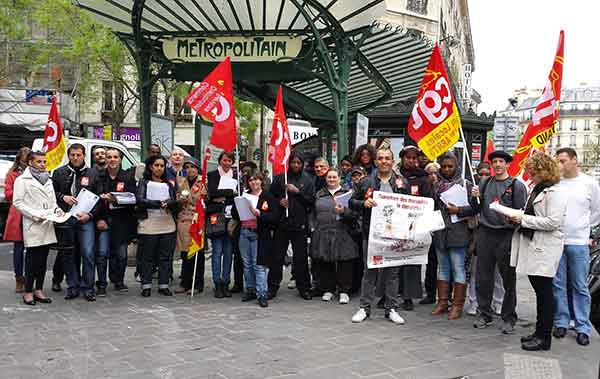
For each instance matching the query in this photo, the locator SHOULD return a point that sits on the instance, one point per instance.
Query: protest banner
(400, 230)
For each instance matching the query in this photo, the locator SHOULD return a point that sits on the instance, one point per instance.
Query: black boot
(429, 299)
(538, 343)
(219, 291)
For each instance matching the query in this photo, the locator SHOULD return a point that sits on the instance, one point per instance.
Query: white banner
(400, 230)
(362, 130)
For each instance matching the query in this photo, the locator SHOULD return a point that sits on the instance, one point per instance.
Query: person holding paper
(332, 248)
(256, 237)
(34, 198)
(157, 209)
(451, 243)
(537, 244)
(189, 190)
(362, 201)
(77, 235)
(494, 240)
(116, 224)
(218, 210)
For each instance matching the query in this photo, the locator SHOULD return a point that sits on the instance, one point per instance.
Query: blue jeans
(451, 264)
(86, 238)
(18, 256)
(574, 263)
(255, 276)
(221, 259)
(77, 243)
(102, 251)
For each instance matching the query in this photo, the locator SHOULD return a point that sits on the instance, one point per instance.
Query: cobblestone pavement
(127, 336)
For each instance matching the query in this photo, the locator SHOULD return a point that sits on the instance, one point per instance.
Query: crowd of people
(472, 263)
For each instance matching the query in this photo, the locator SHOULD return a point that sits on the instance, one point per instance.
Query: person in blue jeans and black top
(76, 237)
(218, 209)
(116, 223)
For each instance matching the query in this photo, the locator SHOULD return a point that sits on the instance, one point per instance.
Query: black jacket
(62, 180)
(121, 219)
(213, 178)
(364, 190)
(143, 204)
(300, 204)
(417, 181)
(267, 223)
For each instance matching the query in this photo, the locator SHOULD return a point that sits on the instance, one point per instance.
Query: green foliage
(247, 114)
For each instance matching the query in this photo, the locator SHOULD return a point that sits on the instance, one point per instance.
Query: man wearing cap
(494, 240)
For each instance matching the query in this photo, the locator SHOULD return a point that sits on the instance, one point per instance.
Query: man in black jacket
(296, 200)
(116, 223)
(362, 201)
(77, 235)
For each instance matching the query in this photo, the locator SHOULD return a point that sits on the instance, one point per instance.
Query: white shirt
(583, 208)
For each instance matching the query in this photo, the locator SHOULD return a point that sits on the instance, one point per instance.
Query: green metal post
(145, 89)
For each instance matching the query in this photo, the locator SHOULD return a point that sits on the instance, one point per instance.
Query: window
(107, 95)
(573, 124)
(557, 141)
(417, 6)
(559, 125)
(573, 141)
(586, 139)
(586, 125)
(587, 107)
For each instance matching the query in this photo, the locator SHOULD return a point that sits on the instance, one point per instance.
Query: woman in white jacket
(537, 244)
(34, 197)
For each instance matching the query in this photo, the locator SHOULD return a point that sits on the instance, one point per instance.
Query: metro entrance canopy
(333, 56)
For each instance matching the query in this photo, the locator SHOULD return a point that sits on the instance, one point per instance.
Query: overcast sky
(515, 42)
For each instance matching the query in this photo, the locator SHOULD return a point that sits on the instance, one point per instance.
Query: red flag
(213, 100)
(543, 123)
(55, 145)
(490, 149)
(280, 146)
(434, 122)
(197, 230)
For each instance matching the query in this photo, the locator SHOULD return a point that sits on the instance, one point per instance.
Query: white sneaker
(394, 317)
(497, 307)
(360, 316)
(472, 311)
(327, 296)
(292, 284)
(344, 298)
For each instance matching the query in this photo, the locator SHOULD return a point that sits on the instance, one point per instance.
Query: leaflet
(124, 198)
(243, 207)
(157, 191)
(86, 201)
(227, 183)
(456, 195)
(504, 210)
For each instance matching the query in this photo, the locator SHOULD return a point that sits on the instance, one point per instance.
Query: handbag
(232, 226)
(216, 225)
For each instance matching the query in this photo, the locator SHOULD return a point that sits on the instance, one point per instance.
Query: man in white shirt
(583, 213)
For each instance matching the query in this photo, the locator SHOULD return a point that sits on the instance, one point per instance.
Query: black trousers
(157, 247)
(544, 303)
(35, 267)
(187, 270)
(58, 273)
(334, 274)
(238, 263)
(281, 240)
(431, 273)
(357, 265)
(493, 248)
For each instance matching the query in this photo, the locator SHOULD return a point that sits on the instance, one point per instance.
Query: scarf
(41, 176)
(538, 189)
(444, 183)
(223, 173)
(75, 174)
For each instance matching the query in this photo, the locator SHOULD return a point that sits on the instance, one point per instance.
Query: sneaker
(138, 277)
(262, 301)
(327, 296)
(101, 292)
(507, 327)
(472, 311)
(344, 298)
(482, 322)
(90, 297)
(497, 308)
(583, 339)
(394, 317)
(292, 284)
(360, 315)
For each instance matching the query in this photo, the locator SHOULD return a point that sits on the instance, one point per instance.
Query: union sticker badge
(85, 181)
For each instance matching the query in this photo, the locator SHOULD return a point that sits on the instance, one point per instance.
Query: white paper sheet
(456, 195)
(252, 198)
(226, 183)
(157, 191)
(59, 219)
(343, 200)
(86, 200)
(124, 198)
(242, 203)
(507, 211)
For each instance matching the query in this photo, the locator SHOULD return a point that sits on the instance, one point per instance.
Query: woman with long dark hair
(157, 210)
(14, 228)
(364, 156)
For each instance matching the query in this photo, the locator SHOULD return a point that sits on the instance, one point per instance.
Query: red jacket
(14, 222)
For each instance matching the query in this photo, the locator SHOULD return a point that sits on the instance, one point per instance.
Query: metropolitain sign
(239, 49)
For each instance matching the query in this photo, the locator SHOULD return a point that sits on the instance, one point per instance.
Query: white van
(129, 159)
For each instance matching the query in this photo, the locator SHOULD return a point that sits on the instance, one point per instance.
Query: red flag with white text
(545, 117)
(280, 146)
(213, 100)
(55, 145)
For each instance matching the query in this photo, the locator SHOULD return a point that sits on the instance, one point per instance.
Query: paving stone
(527, 366)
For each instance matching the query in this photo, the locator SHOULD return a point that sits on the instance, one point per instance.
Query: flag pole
(201, 203)
(239, 171)
(194, 276)
(287, 210)
(462, 135)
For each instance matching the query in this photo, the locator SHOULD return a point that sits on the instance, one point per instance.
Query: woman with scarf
(451, 243)
(190, 189)
(157, 210)
(332, 247)
(14, 229)
(218, 209)
(34, 197)
(537, 244)
(417, 184)
(364, 156)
